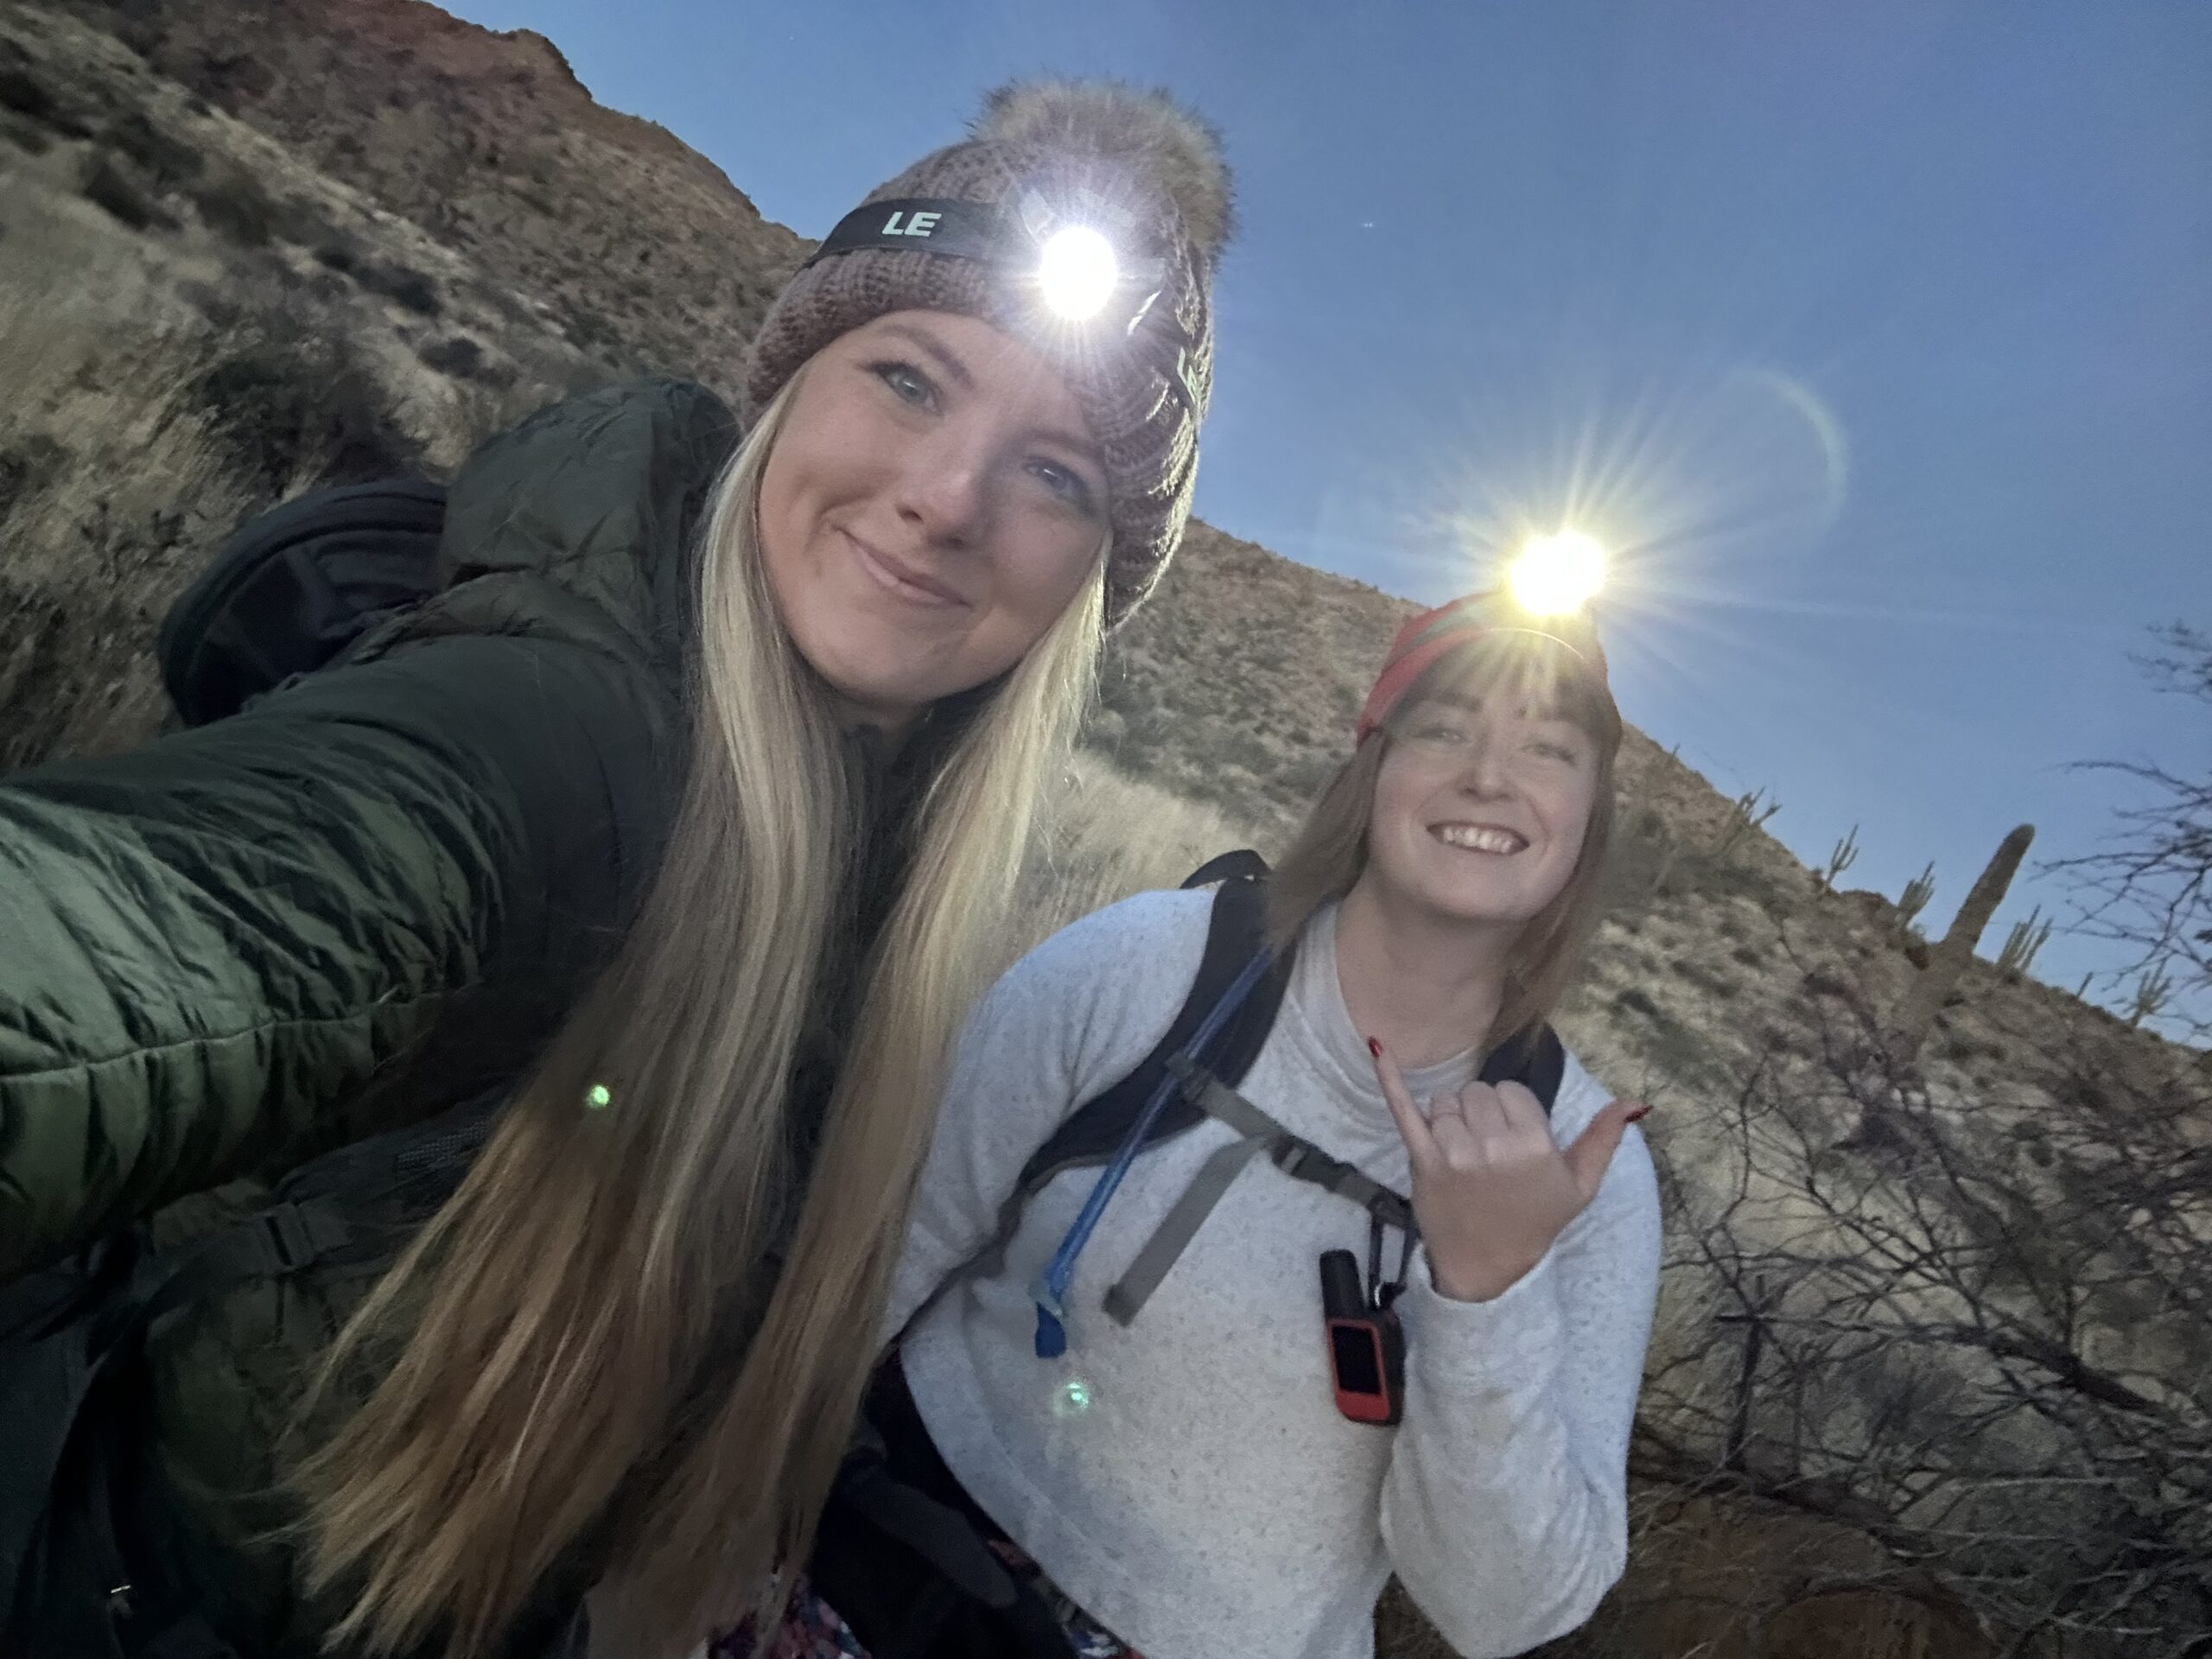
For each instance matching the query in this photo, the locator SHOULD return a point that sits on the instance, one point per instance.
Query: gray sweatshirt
(1188, 1479)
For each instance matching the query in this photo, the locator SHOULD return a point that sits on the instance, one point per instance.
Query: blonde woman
(1209, 1471)
(702, 833)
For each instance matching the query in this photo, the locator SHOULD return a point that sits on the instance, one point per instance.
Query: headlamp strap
(967, 229)
(1039, 219)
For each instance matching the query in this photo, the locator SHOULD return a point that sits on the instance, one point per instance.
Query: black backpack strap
(75, 1333)
(64, 1571)
(905, 1554)
(1091, 1134)
(414, 1168)
(321, 1210)
(1241, 865)
(1234, 935)
(1536, 1061)
(57, 1348)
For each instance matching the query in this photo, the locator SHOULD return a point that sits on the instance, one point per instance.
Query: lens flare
(1078, 272)
(1558, 573)
(1071, 1399)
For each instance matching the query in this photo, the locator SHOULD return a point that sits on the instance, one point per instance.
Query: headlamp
(1557, 574)
(1080, 265)
(1076, 272)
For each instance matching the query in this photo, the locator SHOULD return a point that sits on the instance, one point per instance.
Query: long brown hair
(1329, 853)
(579, 1363)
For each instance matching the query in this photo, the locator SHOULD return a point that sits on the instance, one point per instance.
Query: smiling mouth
(1479, 838)
(902, 580)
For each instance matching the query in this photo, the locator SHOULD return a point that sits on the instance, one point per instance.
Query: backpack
(81, 1519)
(83, 1524)
(294, 586)
(902, 1554)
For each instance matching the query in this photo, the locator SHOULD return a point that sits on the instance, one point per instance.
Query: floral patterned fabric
(812, 1630)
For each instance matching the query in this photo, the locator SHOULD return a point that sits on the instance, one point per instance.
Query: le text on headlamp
(1078, 270)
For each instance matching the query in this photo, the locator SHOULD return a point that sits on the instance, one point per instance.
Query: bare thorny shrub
(1970, 1339)
(2148, 886)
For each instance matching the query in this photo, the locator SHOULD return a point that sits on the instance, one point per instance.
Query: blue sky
(1875, 337)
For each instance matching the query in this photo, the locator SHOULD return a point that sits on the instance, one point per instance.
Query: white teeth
(1477, 839)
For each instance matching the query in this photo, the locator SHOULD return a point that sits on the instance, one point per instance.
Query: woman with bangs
(1190, 1483)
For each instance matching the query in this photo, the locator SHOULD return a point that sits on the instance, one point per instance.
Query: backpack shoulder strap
(1242, 864)
(1234, 933)
(337, 1207)
(1536, 1061)
(66, 1333)
(1095, 1131)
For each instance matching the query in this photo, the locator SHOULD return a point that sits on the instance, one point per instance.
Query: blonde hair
(1329, 853)
(583, 1365)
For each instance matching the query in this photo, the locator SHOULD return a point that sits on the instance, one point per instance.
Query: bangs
(1534, 670)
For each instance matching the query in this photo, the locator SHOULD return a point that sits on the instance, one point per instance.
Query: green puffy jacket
(366, 897)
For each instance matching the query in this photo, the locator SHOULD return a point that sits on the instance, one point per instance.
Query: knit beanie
(1148, 171)
(1428, 637)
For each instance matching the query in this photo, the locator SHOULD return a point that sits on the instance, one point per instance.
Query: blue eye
(1064, 482)
(908, 383)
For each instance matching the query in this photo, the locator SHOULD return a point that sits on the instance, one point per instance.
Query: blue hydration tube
(1049, 1292)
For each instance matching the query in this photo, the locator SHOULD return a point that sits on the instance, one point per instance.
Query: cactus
(1940, 977)
(1744, 817)
(1845, 856)
(2152, 991)
(2026, 937)
(1746, 813)
(1914, 899)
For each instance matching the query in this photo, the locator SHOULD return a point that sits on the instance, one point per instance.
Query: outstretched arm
(209, 946)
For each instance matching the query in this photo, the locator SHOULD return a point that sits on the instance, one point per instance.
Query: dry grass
(107, 489)
(1106, 835)
(172, 371)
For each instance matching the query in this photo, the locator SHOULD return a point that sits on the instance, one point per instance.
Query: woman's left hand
(1490, 1188)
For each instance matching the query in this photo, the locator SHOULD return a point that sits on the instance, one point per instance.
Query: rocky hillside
(248, 248)
(624, 240)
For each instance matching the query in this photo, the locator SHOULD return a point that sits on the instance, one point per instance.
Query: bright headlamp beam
(1557, 574)
(1077, 272)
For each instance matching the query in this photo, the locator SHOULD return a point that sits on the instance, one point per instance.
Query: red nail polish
(1375, 1048)
(1638, 1114)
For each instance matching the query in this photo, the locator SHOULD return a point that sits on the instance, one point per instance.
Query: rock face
(639, 247)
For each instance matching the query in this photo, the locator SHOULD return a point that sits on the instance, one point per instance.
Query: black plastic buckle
(288, 1238)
